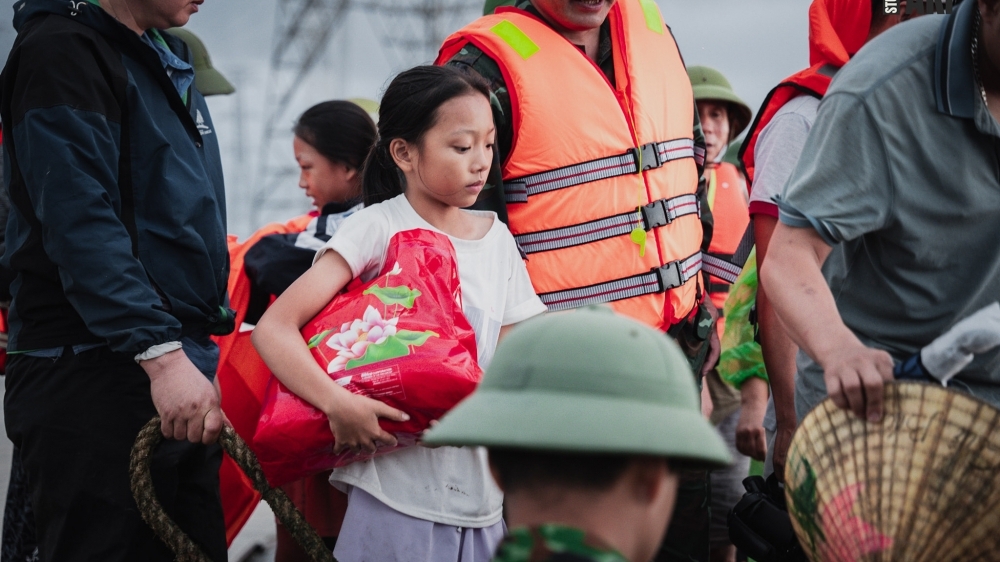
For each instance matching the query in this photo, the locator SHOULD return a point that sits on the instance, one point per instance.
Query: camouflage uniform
(687, 537)
(554, 543)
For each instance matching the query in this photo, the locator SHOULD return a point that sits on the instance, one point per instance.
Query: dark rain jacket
(117, 233)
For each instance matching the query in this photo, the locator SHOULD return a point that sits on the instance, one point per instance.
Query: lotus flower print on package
(400, 338)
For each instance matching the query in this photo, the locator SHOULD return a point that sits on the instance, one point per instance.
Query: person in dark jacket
(117, 239)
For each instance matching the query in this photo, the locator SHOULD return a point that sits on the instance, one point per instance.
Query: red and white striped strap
(646, 157)
(660, 279)
(730, 267)
(656, 214)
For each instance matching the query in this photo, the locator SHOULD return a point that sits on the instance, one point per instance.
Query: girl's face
(324, 181)
(449, 164)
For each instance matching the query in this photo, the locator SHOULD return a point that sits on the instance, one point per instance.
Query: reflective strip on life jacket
(732, 237)
(652, 156)
(656, 214)
(721, 268)
(668, 276)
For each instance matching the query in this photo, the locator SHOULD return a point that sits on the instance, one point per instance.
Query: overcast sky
(755, 43)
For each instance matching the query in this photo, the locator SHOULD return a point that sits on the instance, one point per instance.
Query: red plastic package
(400, 338)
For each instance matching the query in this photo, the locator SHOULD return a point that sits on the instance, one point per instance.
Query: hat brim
(211, 82)
(584, 424)
(740, 112)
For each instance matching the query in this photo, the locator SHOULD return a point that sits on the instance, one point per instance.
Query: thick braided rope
(182, 545)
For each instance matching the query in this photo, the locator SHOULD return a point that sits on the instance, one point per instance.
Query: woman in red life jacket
(330, 144)
(837, 30)
(723, 117)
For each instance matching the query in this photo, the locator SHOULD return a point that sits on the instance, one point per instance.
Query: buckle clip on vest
(647, 157)
(669, 275)
(677, 273)
(665, 211)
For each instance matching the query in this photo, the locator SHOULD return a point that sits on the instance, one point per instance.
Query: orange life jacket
(243, 378)
(837, 30)
(727, 194)
(592, 168)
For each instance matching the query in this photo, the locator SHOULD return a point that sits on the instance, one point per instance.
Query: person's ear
(402, 154)
(351, 173)
(651, 478)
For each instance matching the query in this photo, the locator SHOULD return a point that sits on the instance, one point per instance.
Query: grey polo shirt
(900, 176)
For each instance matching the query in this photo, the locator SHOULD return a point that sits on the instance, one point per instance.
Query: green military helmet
(710, 84)
(207, 79)
(588, 381)
(370, 106)
(491, 5)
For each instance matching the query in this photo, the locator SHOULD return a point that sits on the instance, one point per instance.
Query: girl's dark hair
(339, 130)
(409, 109)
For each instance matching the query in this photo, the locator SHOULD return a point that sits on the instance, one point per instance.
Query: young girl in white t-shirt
(436, 131)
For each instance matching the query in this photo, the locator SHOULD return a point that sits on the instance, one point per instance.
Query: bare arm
(750, 437)
(778, 350)
(353, 418)
(854, 374)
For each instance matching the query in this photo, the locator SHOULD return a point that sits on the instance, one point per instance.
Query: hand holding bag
(400, 338)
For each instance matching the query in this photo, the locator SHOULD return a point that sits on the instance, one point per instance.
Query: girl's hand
(354, 422)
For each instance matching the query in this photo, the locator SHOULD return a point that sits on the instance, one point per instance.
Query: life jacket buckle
(647, 157)
(656, 214)
(669, 275)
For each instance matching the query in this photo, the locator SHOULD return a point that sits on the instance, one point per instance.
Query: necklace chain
(975, 59)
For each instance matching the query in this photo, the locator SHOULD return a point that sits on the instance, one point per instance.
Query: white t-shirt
(777, 152)
(449, 485)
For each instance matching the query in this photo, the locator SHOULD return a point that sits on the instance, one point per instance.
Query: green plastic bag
(741, 355)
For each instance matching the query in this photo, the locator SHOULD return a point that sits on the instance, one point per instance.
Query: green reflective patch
(521, 43)
(652, 13)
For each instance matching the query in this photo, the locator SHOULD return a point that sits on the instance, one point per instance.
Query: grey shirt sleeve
(841, 186)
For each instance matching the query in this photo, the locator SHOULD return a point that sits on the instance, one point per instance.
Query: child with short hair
(436, 132)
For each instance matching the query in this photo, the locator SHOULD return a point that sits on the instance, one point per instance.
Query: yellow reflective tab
(712, 188)
(517, 39)
(652, 13)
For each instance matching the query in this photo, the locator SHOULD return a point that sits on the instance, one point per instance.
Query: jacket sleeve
(66, 137)
(707, 220)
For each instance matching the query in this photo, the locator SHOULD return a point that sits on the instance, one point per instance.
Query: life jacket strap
(660, 279)
(656, 214)
(729, 267)
(636, 160)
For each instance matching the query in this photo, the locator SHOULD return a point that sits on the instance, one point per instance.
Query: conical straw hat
(922, 485)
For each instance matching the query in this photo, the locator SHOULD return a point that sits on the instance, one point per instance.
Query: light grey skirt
(374, 532)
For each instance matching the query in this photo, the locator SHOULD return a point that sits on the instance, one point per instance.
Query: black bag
(759, 524)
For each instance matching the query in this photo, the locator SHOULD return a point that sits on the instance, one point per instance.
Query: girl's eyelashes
(462, 149)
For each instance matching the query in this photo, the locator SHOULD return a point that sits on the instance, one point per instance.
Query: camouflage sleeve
(707, 221)
(552, 543)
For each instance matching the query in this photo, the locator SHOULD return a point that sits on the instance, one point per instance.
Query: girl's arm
(353, 418)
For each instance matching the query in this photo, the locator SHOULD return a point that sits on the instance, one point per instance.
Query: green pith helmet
(710, 84)
(207, 79)
(370, 106)
(588, 381)
(492, 5)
